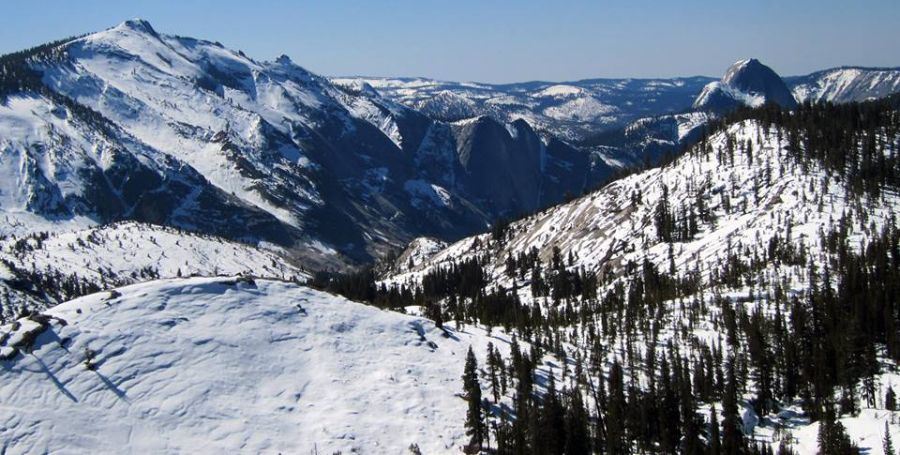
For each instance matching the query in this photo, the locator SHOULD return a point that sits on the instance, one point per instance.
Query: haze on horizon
(496, 42)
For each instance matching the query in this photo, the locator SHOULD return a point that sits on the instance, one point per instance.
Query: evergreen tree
(890, 400)
(833, 438)
(472, 390)
(732, 433)
(616, 442)
(715, 442)
(887, 444)
(578, 439)
(550, 433)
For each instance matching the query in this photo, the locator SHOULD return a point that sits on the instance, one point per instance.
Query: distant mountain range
(132, 124)
(568, 110)
(578, 110)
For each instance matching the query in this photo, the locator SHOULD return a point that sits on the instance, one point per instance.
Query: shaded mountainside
(132, 124)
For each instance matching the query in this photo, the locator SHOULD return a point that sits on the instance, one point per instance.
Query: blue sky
(501, 41)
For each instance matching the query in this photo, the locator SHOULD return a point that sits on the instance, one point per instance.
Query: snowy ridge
(225, 364)
(124, 253)
(843, 85)
(610, 227)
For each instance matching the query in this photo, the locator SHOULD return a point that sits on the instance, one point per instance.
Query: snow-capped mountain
(129, 123)
(846, 84)
(218, 364)
(746, 83)
(572, 111)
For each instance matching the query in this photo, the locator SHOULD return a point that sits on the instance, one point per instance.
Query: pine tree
(833, 438)
(890, 400)
(493, 367)
(578, 439)
(732, 434)
(715, 442)
(888, 445)
(472, 389)
(551, 423)
(616, 411)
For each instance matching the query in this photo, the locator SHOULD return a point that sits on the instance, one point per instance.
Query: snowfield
(129, 252)
(225, 365)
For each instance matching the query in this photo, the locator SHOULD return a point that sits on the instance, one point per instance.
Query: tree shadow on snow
(59, 385)
(113, 387)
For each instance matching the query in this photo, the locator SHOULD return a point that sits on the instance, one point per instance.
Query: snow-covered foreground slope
(123, 253)
(224, 365)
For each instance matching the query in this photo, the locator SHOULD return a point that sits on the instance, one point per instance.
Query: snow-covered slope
(570, 110)
(129, 123)
(760, 195)
(751, 200)
(225, 365)
(846, 84)
(40, 270)
(646, 140)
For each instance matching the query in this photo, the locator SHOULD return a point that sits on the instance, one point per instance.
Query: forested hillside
(751, 283)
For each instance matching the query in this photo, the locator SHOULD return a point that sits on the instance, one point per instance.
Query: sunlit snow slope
(224, 365)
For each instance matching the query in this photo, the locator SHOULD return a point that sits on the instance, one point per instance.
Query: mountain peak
(747, 82)
(138, 25)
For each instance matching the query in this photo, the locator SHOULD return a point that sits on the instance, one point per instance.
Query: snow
(221, 365)
(568, 110)
(583, 109)
(841, 85)
(607, 229)
(126, 247)
(121, 253)
(866, 430)
(418, 251)
(559, 90)
(424, 193)
(717, 88)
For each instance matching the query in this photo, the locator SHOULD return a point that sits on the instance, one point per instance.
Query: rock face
(133, 124)
(746, 83)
